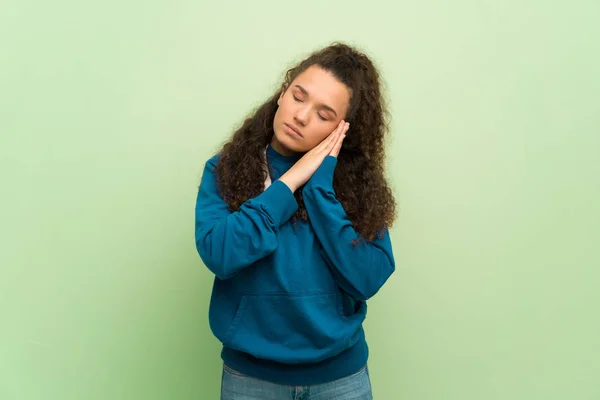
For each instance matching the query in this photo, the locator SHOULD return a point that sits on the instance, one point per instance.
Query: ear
(283, 89)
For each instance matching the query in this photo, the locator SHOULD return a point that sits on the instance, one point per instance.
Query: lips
(294, 129)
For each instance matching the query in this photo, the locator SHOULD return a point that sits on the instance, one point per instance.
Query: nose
(302, 115)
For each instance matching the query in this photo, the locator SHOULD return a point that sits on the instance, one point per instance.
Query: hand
(305, 167)
(335, 151)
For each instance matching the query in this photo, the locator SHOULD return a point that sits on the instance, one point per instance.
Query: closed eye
(320, 116)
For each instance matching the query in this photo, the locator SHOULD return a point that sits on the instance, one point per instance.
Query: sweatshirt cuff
(278, 201)
(323, 176)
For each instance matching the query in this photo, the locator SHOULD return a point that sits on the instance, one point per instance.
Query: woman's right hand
(305, 167)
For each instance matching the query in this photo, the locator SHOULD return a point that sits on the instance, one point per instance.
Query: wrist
(289, 182)
(323, 176)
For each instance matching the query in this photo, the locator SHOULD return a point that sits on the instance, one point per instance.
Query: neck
(281, 149)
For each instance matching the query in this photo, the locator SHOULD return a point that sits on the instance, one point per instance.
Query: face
(309, 110)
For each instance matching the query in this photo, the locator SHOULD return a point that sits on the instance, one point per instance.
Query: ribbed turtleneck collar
(279, 159)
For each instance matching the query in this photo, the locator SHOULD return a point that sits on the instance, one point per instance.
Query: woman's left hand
(338, 145)
(306, 166)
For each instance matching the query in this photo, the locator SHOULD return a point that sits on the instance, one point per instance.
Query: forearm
(228, 242)
(360, 267)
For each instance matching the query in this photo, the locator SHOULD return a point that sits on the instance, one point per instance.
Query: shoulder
(212, 162)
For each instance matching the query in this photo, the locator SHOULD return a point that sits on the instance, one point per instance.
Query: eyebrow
(322, 105)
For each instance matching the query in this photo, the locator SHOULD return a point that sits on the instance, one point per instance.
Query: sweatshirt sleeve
(229, 241)
(360, 269)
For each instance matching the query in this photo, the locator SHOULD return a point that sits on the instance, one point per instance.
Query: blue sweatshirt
(288, 300)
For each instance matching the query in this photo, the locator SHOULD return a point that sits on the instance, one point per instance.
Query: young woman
(292, 217)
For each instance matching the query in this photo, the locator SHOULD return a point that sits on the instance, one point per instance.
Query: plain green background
(109, 111)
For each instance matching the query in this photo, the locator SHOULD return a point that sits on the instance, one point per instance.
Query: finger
(323, 145)
(335, 135)
(338, 145)
(340, 125)
(336, 150)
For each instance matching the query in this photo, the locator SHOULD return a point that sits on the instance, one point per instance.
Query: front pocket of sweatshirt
(291, 328)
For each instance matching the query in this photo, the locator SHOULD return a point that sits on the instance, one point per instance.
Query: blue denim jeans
(236, 386)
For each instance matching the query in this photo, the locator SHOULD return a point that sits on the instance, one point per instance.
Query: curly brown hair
(359, 180)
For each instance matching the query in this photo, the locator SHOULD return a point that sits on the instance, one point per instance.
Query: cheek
(320, 133)
(284, 109)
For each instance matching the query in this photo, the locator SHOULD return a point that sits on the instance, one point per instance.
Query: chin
(289, 143)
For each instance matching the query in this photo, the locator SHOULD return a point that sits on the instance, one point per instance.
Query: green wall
(108, 112)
